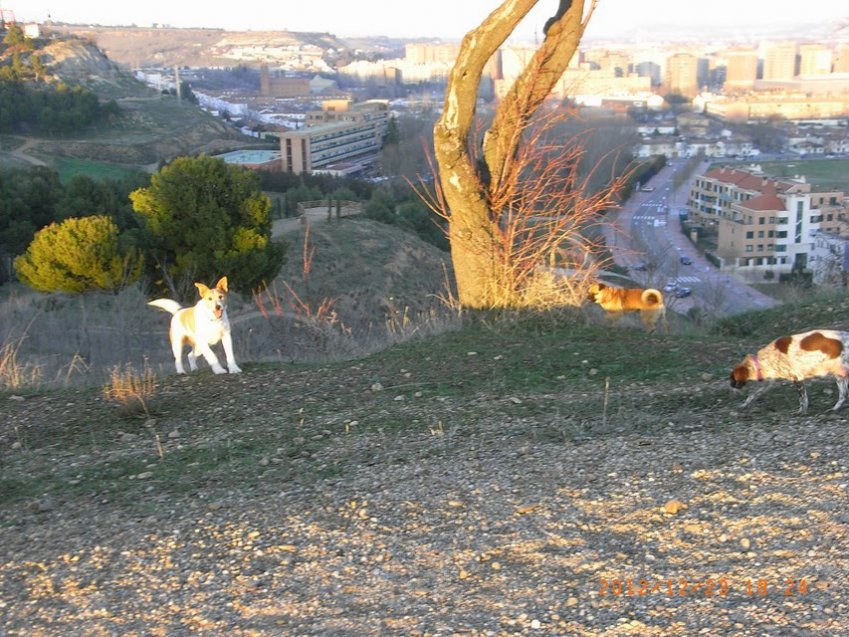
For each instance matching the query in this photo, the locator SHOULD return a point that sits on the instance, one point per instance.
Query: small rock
(673, 507)
(174, 434)
(150, 422)
(376, 387)
(16, 397)
(16, 445)
(145, 475)
(745, 543)
(126, 437)
(515, 400)
(572, 601)
(399, 398)
(43, 506)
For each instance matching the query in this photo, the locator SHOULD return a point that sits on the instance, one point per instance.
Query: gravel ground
(489, 528)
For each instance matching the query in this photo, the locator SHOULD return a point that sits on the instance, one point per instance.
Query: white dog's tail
(167, 304)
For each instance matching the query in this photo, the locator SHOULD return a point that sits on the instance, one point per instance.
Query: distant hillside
(148, 47)
(152, 127)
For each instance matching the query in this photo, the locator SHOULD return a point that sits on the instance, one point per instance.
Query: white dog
(200, 326)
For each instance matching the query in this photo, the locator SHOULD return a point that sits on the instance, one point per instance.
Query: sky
(447, 19)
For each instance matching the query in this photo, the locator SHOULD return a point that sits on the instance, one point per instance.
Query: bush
(209, 219)
(78, 255)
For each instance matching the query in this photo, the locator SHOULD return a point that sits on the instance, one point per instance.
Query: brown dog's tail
(651, 296)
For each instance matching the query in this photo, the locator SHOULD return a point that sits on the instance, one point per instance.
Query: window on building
(761, 221)
(749, 248)
(760, 234)
(750, 234)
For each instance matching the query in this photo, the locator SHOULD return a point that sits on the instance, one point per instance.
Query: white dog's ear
(202, 289)
(221, 286)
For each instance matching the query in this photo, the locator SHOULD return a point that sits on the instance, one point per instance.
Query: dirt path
(312, 215)
(21, 152)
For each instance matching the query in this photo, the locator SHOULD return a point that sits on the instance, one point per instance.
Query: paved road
(648, 231)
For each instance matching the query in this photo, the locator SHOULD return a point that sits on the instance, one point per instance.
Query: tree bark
(472, 225)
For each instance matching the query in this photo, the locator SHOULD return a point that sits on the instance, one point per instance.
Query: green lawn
(823, 173)
(96, 170)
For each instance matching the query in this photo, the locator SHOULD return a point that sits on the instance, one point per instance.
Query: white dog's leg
(842, 389)
(193, 359)
(177, 349)
(211, 358)
(227, 341)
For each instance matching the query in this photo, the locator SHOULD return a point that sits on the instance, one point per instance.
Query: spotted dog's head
(742, 374)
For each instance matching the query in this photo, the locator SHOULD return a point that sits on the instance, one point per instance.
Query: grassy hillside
(557, 377)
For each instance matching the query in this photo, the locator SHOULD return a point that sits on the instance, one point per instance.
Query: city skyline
(428, 20)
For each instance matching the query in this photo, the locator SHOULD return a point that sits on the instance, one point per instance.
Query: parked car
(670, 287)
(680, 293)
(685, 260)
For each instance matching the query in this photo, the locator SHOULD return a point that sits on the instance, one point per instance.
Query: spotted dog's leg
(762, 389)
(842, 389)
(803, 397)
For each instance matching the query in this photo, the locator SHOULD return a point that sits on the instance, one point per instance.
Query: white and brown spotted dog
(617, 301)
(795, 358)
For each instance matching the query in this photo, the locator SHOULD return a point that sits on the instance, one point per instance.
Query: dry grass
(15, 373)
(131, 389)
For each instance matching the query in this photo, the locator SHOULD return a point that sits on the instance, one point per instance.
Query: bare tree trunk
(471, 220)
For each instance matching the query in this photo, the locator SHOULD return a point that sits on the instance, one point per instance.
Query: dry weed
(15, 374)
(131, 389)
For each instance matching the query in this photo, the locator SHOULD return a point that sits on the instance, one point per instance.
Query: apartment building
(780, 61)
(682, 75)
(814, 59)
(764, 223)
(342, 139)
(741, 69)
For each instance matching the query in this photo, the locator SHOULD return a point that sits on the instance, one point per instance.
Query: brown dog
(797, 357)
(617, 301)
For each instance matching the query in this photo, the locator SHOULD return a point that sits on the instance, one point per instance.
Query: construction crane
(7, 17)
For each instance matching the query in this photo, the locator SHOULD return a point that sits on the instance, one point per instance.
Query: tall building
(841, 58)
(682, 75)
(741, 69)
(780, 61)
(814, 59)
